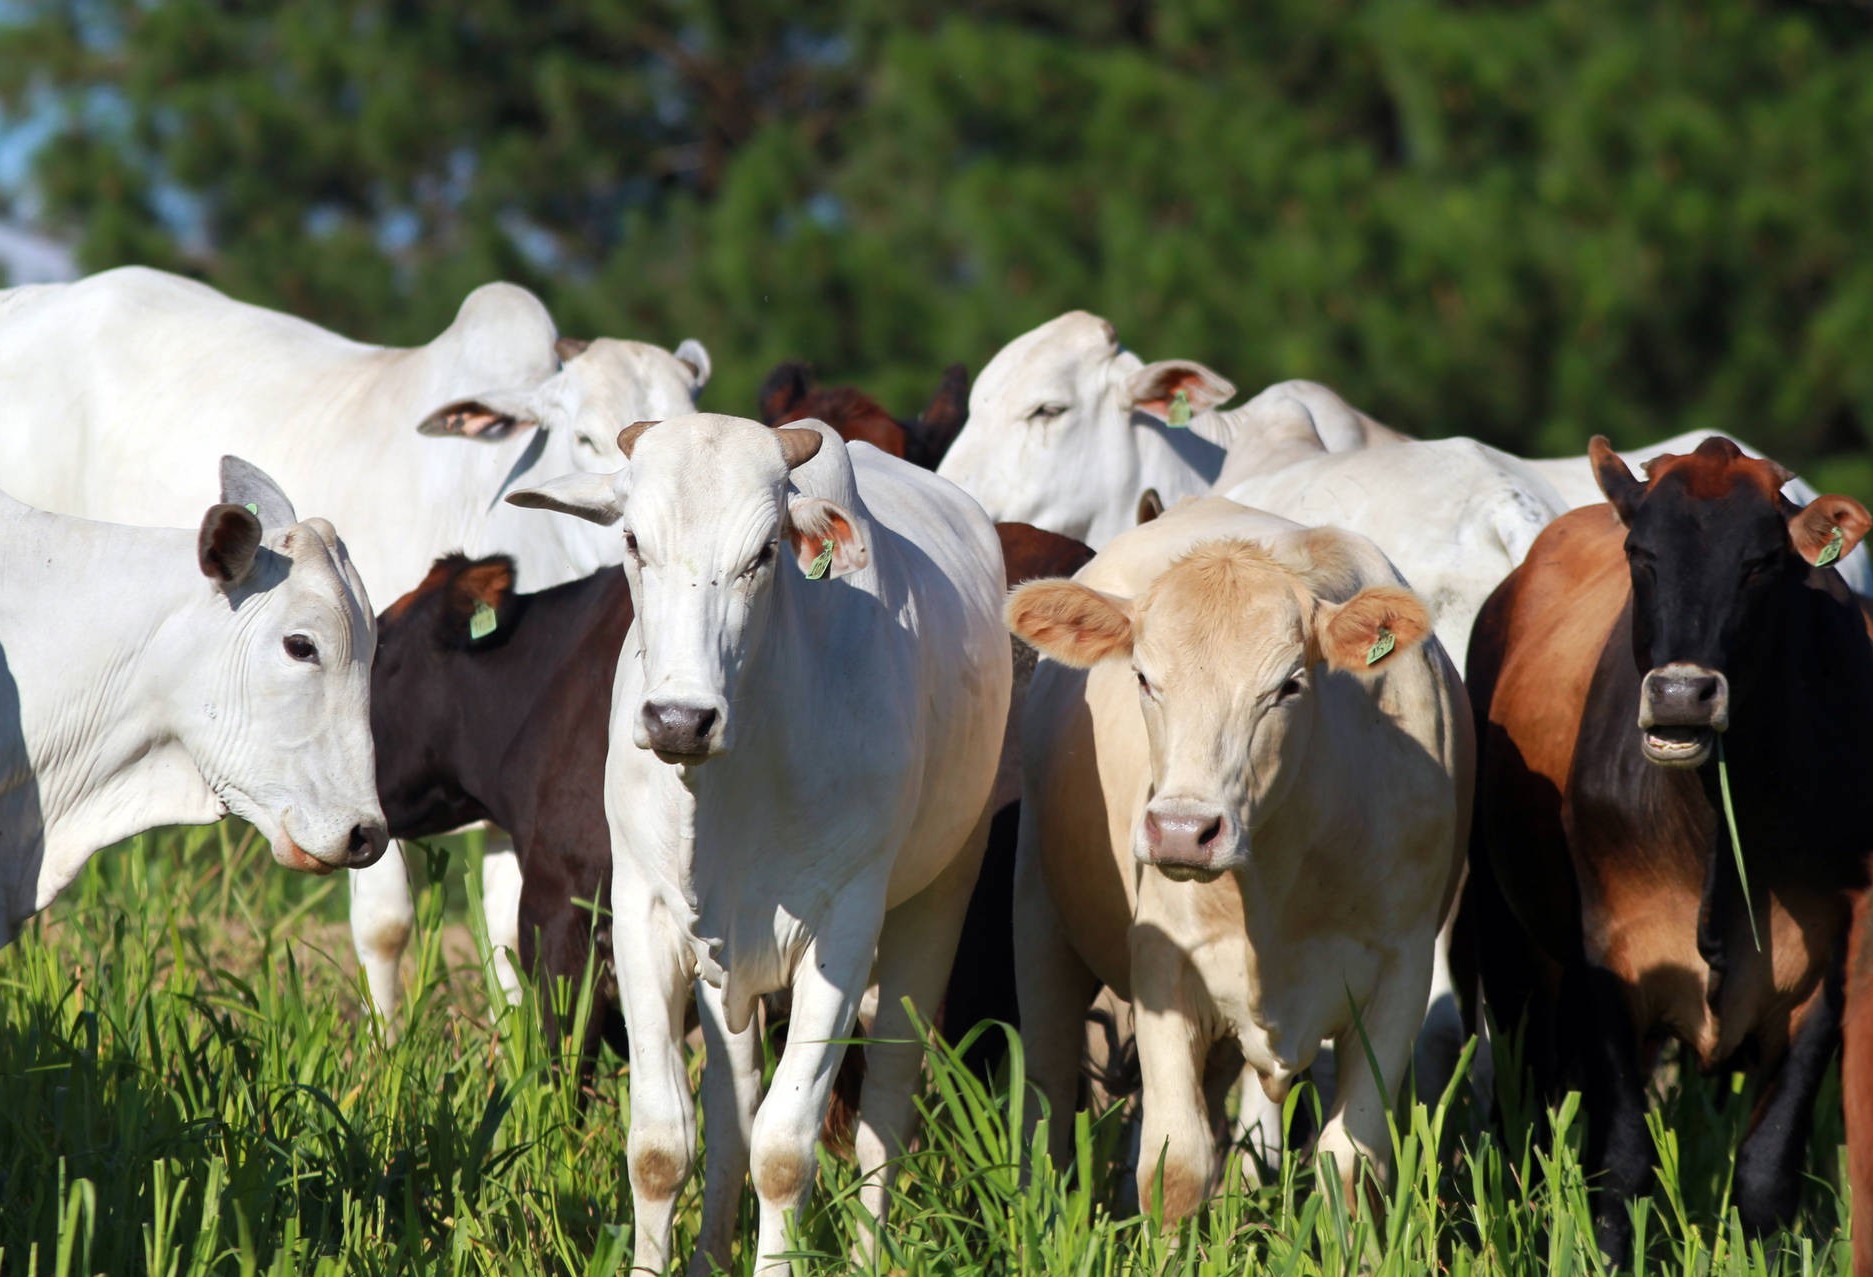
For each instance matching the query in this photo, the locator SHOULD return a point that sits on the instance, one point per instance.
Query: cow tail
(837, 1132)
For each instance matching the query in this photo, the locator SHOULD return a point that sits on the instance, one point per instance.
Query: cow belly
(1645, 933)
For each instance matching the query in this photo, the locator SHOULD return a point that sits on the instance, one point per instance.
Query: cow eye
(585, 441)
(1289, 690)
(630, 544)
(301, 648)
(1046, 411)
(1144, 685)
(762, 557)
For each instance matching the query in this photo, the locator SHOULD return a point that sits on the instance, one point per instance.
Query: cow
(1856, 1082)
(1642, 645)
(162, 677)
(804, 728)
(791, 393)
(1247, 769)
(124, 387)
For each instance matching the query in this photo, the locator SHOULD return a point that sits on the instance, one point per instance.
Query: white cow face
(1225, 647)
(600, 387)
(1052, 419)
(274, 706)
(712, 529)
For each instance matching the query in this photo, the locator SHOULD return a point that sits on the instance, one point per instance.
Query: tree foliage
(1523, 221)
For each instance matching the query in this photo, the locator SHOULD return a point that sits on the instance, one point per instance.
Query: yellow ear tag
(1381, 649)
(1831, 550)
(1180, 409)
(481, 622)
(821, 561)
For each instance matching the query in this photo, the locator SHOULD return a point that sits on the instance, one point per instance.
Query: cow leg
(916, 947)
(731, 1091)
(831, 977)
(382, 916)
(1768, 1166)
(1174, 1031)
(500, 905)
(1612, 1084)
(1053, 988)
(1365, 1086)
(1440, 1038)
(662, 1141)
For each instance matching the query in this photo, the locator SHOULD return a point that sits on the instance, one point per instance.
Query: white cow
(804, 732)
(123, 389)
(1245, 806)
(155, 677)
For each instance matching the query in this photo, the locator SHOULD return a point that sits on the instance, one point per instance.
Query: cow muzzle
(1187, 840)
(681, 731)
(363, 845)
(1682, 707)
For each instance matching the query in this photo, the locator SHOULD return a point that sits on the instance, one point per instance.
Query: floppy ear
(245, 484)
(1813, 527)
(478, 604)
(228, 544)
(595, 497)
(692, 354)
(1071, 623)
(487, 418)
(1616, 481)
(1152, 388)
(812, 522)
(786, 386)
(1371, 629)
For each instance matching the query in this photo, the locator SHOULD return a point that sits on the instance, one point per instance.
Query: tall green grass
(188, 1085)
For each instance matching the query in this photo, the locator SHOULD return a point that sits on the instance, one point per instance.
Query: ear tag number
(252, 508)
(821, 561)
(482, 622)
(1381, 649)
(1831, 550)
(1180, 409)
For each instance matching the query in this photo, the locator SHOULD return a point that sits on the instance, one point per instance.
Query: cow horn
(569, 348)
(798, 446)
(628, 437)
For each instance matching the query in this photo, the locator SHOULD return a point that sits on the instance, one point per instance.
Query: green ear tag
(482, 622)
(1381, 649)
(252, 508)
(1831, 550)
(1180, 409)
(822, 561)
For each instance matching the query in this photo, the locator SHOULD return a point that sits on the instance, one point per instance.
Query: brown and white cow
(1640, 644)
(1247, 772)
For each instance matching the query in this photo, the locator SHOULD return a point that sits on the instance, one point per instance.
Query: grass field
(190, 1086)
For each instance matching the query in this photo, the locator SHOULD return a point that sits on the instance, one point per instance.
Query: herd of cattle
(1339, 736)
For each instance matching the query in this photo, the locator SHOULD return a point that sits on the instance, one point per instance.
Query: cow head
(1714, 552)
(713, 526)
(1051, 437)
(791, 394)
(1227, 647)
(274, 702)
(462, 608)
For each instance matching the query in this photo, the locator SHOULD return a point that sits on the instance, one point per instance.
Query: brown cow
(1639, 644)
(791, 394)
(1856, 1084)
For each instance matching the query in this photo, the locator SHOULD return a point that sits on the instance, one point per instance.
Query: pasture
(192, 1087)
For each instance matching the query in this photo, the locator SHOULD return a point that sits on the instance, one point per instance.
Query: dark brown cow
(791, 394)
(1638, 643)
(1856, 1082)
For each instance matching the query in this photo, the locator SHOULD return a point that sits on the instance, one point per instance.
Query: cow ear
(479, 602)
(825, 540)
(1071, 623)
(1371, 629)
(695, 357)
(228, 544)
(1615, 480)
(595, 497)
(786, 386)
(1828, 521)
(1153, 388)
(246, 484)
(488, 418)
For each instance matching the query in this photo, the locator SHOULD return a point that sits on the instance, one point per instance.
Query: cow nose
(366, 844)
(1183, 838)
(677, 728)
(1685, 695)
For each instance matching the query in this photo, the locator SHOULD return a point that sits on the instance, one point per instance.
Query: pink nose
(1183, 838)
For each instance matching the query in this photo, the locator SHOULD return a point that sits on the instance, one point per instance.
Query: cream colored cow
(1248, 769)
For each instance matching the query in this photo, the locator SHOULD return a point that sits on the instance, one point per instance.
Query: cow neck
(96, 757)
